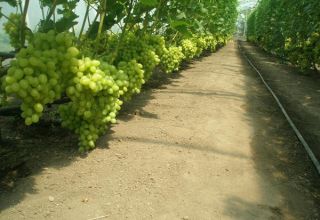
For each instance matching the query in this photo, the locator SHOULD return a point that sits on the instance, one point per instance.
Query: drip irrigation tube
(306, 146)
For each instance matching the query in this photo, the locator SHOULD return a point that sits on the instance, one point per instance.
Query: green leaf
(177, 23)
(181, 27)
(49, 3)
(181, 15)
(66, 22)
(184, 31)
(12, 3)
(45, 26)
(149, 3)
(60, 11)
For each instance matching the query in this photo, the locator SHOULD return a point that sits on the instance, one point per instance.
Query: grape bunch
(149, 60)
(130, 78)
(189, 48)
(120, 78)
(134, 48)
(39, 73)
(157, 42)
(316, 50)
(94, 102)
(211, 43)
(12, 28)
(171, 59)
(201, 44)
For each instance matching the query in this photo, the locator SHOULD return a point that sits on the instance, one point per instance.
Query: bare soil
(210, 143)
(299, 91)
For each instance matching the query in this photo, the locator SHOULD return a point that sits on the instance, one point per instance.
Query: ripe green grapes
(211, 43)
(12, 28)
(38, 74)
(171, 59)
(201, 44)
(130, 78)
(135, 48)
(94, 101)
(50, 67)
(156, 43)
(189, 48)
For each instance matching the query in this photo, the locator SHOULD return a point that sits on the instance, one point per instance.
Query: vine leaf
(66, 22)
(149, 3)
(180, 26)
(45, 26)
(49, 3)
(12, 3)
(181, 15)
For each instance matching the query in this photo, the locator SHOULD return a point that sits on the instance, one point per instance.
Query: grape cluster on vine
(39, 73)
(171, 59)
(94, 102)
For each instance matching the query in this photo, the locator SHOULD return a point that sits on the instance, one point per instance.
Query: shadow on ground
(299, 91)
(279, 159)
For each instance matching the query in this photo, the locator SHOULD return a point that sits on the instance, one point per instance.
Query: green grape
(94, 102)
(171, 59)
(201, 44)
(189, 48)
(12, 28)
(130, 78)
(34, 77)
(156, 42)
(136, 48)
(211, 43)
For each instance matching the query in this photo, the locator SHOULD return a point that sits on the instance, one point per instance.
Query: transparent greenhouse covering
(35, 13)
(33, 17)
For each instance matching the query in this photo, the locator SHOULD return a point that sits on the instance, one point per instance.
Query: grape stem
(52, 9)
(94, 20)
(9, 19)
(84, 21)
(174, 37)
(23, 23)
(20, 6)
(102, 16)
(157, 13)
(145, 22)
(15, 110)
(89, 23)
(123, 31)
(42, 11)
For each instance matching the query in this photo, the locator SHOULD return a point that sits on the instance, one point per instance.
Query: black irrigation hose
(293, 126)
(8, 55)
(15, 109)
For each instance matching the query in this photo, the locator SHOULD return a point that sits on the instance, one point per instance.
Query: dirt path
(210, 145)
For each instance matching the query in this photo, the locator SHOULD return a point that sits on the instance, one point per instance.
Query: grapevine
(288, 29)
(102, 68)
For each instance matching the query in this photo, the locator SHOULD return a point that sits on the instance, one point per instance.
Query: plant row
(100, 69)
(289, 29)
